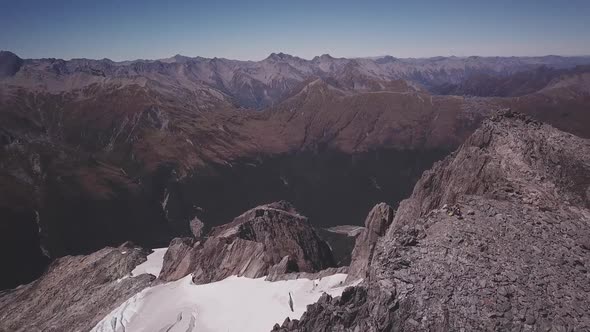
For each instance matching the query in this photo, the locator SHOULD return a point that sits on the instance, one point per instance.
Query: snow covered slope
(233, 304)
(153, 265)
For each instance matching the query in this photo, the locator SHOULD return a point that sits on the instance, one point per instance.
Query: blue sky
(251, 30)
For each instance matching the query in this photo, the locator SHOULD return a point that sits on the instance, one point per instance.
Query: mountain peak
(279, 56)
(325, 56)
(386, 59)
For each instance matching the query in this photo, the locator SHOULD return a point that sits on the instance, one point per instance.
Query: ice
(153, 265)
(233, 304)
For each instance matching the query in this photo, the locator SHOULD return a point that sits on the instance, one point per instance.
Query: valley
(96, 152)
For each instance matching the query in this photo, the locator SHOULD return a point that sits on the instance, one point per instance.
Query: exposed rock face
(376, 224)
(286, 265)
(271, 237)
(75, 292)
(177, 259)
(493, 238)
(338, 314)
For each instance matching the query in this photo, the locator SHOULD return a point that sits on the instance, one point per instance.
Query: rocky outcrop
(376, 224)
(75, 292)
(494, 237)
(340, 314)
(269, 238)
(287, 265)
(177, 259)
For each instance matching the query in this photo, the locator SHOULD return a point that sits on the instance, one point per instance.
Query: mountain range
(96, 152)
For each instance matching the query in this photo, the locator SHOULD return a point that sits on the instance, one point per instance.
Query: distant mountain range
(96, 152)
(259, 84)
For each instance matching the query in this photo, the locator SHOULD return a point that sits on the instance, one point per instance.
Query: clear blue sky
(148, 29)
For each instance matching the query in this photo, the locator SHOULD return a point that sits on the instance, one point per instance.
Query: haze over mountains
(96, 152)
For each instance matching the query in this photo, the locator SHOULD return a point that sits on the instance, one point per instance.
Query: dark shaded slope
(330, 187)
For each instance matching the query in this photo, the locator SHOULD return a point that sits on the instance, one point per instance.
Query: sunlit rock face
(269, 238)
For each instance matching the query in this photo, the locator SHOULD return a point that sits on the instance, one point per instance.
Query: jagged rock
(521, 272)
(75, 292)
(376, 224)
(252, 245)
(340, 314)
(177, 261)
(286, 265)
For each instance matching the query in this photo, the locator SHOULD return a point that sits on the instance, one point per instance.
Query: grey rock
(269, 238)
(287, 265)
(376, 224)
(177, 259)
(76, 292)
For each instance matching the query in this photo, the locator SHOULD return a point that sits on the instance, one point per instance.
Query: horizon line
(370, 57)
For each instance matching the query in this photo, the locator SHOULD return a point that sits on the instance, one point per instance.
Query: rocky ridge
(75, 292)
(494, 237)
(270, 239)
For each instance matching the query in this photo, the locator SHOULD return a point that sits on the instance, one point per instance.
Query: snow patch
(152, 265)
(233, 304)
